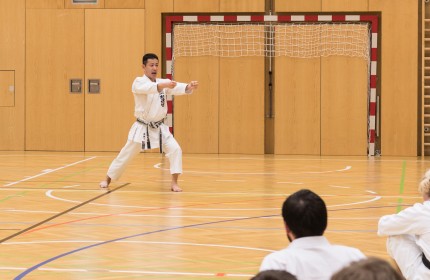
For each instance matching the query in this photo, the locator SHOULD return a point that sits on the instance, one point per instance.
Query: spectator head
(305, 214)
(368, 269)
(274, 275)
(424, 186)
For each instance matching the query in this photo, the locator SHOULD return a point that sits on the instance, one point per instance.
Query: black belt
(153, 125)
(426, 261)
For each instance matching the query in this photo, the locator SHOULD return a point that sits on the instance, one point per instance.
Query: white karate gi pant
(408, 256)
(170, 147)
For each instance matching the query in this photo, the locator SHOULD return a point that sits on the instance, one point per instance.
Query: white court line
(167, 180)
(176, 216)
(249, 194)
(230, 180)
(131, 215)
(320, 172)
(158, 166)
(365, 159)
(341, 187)
(140, 242)
(360, 202)
(49, 193)
(44, 173)
(183, 273)
(67, 187)
(292, 183)
(133, 272)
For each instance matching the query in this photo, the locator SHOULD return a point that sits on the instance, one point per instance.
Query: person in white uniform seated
(408, 232)
(309, 256)
(149, 131)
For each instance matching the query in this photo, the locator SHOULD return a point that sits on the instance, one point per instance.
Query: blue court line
(31, 269)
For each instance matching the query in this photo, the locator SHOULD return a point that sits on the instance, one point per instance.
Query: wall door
(297, 106)
(110, 51)
(54, 55)
(344, 98)
(196, 116)
(114, 47)
(226, 113)
(321, 106)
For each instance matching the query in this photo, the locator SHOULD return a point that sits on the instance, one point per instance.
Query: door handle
(75, 85)
(93, 85)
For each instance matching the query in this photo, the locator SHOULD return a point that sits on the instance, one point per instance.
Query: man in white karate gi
(149, 130)
(408, 234)
(310, 256)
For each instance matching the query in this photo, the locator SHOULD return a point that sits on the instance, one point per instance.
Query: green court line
(71, 175)
(402, 187)
(14, 195)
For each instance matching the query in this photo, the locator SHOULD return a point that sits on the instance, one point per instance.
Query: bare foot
(175, 188)
(105, 184)
(174, 184)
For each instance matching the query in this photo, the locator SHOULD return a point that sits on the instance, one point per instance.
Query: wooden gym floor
(55, 223)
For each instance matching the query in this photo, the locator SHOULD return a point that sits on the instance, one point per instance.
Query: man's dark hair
(149, 56)
(305, 213)
(274, 275)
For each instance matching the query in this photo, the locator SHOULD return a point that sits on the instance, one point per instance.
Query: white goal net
(302, 40)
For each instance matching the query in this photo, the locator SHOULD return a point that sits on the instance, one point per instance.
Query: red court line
(145, 210)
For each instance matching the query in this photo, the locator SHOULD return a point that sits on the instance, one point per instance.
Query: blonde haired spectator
(408, 234)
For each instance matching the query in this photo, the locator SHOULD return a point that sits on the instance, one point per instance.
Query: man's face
(151, 68)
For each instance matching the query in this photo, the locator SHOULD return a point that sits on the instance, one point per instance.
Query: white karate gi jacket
(151, 106)
(414, 222)
(312, 258)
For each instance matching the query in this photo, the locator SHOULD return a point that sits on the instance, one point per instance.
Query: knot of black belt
(152, 125)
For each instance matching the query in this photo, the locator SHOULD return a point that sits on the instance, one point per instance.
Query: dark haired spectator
(310, 255)
(274, 275)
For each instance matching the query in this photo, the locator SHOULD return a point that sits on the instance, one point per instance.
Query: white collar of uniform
(309, 242)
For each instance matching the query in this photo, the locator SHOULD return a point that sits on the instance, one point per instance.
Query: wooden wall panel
(399, 76)
(7, 88)
(297, 106)
(196, 116)
(70, 5)
(297, 6)
(344, 95)
(45, 4)
(241, 115)
(198, 112)
(345, 5)
(153, 26)
(114, 43)
(12, 57)
(124, 4)
(194, 6)
(242, 6)
(54, 117)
